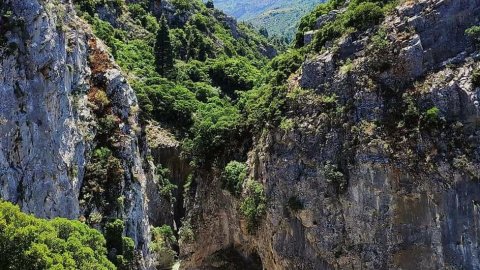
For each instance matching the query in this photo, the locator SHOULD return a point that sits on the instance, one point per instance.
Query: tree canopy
(28, 243)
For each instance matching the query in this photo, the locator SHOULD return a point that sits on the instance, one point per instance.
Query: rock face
(52, 71)
(386, 176)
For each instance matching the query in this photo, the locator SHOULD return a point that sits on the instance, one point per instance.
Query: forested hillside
(279, 17)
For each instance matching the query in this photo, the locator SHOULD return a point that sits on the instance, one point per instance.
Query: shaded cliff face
(64, 102)
(381, 159)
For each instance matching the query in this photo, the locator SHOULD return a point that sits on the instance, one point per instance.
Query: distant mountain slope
(279, 17)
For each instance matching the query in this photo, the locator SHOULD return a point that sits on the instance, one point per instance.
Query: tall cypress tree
(163, 49)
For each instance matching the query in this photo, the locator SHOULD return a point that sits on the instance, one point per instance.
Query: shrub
(121, 249)
(284, 65)
(166, 101)
(194, 71)
(363, 15)
(287, 124)
(210, 4)
(99, 100)
(233, 176)
(308, 21)
(473, 33)
(161, 245)
(232, 74)
(203, 91)
(103, 173)
(253, 206)
(164, 184)
(217, 125)
(335, 176)
(182, 5)
(328, 32)
(431, 118)
(186, 234)
(359, 15)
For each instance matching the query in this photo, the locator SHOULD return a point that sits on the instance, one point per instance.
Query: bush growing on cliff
(233, 177)
(363, 15)
(121, 248)
(164, 184)
(161, 245)
(185, 233)
(476, 78)
(102, 175)
(165, 100)
(359, 16)
(27, 243)
(217, 124)
(335, 176)
(284, 65)
(254, 205)
(432, 118)
(474, 33)
(264, 103)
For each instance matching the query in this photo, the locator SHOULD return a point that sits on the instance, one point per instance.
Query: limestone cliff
(64, 102)
(378, 165)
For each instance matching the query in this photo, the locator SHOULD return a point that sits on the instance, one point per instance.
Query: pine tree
(163, 49)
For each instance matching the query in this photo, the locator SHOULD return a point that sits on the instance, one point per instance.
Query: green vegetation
(121, 248)
(359, 15)
(162, 242)
(207, 81)
(164, 184)
(103, 174)
(474, 33)
(254, 205)
(476, 78)
(27, 243)
(335, 176)
(432, 117)
(163, 49)
(217, 126)
(279, 18)
(186, 234)
(233, 74)
(233, 177)
(212, 64)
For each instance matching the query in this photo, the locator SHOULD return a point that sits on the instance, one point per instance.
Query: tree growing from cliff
(163, 49)
(120, 248)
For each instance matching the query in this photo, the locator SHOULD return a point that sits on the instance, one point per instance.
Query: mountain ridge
(280, 18)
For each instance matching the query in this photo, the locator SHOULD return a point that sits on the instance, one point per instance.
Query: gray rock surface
(47, 124)
(403, 194)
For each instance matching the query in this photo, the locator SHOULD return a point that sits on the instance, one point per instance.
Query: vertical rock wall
(50, 64)
(386, 176)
